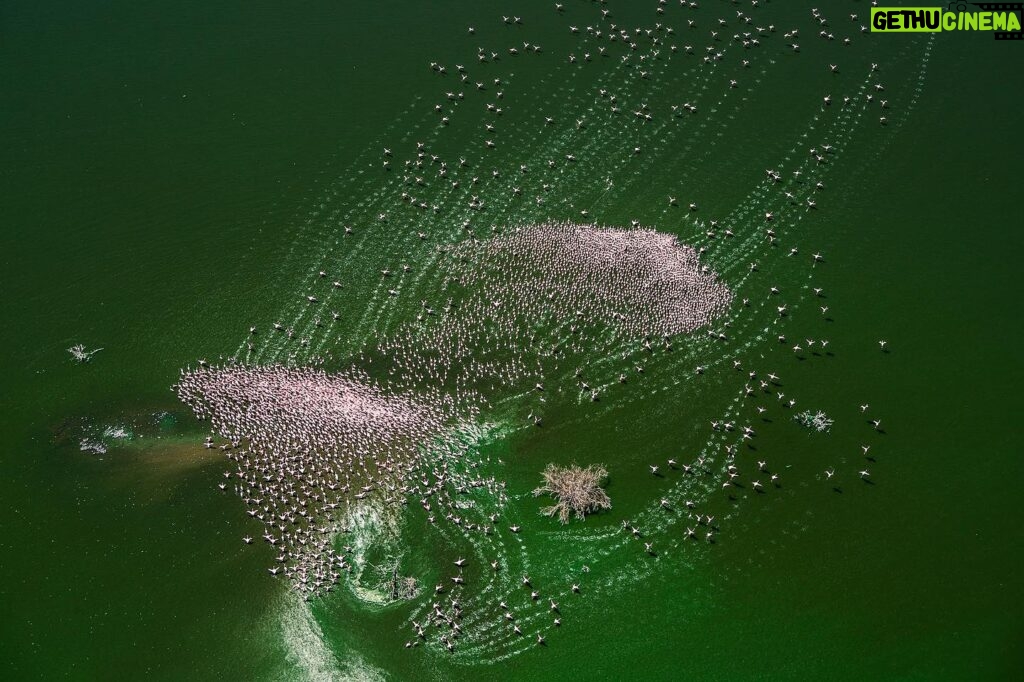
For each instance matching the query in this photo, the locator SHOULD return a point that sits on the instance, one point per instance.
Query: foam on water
(308, 653)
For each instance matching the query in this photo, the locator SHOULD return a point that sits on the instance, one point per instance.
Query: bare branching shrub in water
(577, 491)
(818, 421)
(79, 353)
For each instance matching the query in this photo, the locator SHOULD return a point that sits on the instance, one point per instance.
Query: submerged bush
(819, 421)
(577, 491)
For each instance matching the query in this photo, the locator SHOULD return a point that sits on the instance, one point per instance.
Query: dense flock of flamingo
(457, 287)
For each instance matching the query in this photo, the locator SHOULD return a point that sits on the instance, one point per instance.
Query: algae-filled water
(575, 234)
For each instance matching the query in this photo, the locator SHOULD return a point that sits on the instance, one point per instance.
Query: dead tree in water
(577, 491)
(394, 585)
(78, 352)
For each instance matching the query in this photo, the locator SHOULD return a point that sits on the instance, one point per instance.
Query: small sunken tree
(818, 421)
(576, 491)
(79, 353)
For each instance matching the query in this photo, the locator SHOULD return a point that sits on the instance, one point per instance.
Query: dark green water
(161, 170)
